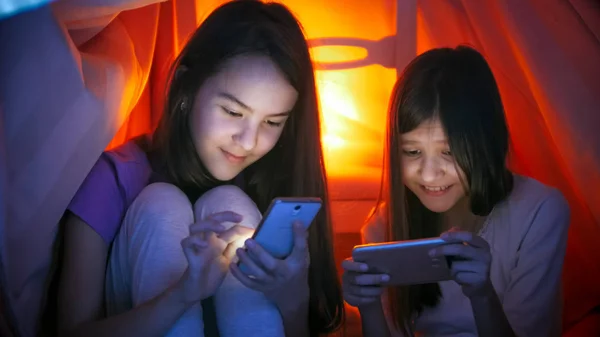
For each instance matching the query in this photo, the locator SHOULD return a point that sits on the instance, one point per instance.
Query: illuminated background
(90, 75)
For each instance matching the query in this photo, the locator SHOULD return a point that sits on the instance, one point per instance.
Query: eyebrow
(235, 100)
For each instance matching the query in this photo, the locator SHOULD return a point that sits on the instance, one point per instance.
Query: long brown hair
(458, 87)
(294, 167)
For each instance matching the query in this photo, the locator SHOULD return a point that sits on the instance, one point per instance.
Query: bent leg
(147, 257)
(240, 311)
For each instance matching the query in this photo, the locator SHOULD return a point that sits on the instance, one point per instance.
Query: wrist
(297, 305)
(484, 293)
(371, 308)
(177, 293)
(291, 308)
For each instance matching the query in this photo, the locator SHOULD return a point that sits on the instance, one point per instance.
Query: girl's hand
(470, 261)
(235, 238)
(360, 287)
(285, 282)
(207, 265)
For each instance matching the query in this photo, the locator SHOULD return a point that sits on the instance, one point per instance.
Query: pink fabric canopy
(85, 75)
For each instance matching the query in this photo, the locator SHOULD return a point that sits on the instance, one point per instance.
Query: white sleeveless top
(527, 234)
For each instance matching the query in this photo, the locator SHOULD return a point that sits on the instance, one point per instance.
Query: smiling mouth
(435, 191)
(436, 188)
(233, 158)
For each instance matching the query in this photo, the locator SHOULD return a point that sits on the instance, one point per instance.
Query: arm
(295, 319)
(489, 315)
(81, 293)
(532, 300)
(374, 322)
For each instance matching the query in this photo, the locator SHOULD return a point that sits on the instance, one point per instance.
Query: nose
(247, 137)
(431, 169)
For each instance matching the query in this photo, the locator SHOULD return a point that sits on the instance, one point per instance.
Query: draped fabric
(81, 76)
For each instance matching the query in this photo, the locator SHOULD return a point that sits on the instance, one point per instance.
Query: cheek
(456, 173)
(267, 140)
(410, 169)
(459, 180)
(200, 120)
(212, 127)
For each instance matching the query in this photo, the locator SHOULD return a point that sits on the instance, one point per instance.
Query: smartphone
(406, 262)
(275, 233)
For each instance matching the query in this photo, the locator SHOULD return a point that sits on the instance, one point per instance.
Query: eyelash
(274, 124)
(237, 114)
(413, 153)
(232, 113)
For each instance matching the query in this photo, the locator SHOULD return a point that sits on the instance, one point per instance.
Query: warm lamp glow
(333, 97)
(339, 106)
(333, 142)
(333, 54)
(353, 104)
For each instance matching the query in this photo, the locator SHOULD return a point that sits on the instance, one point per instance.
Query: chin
(221, 173)
(224, 176)
(437, 207)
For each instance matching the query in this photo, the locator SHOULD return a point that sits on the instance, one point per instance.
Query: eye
(411, 153)
(274, 124)
(447, 153)
(231, 112)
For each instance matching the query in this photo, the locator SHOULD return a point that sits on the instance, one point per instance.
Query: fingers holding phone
(470, 260)
(360, 287)
(283, 281)
(203, 249)
(276, 259)
(300, 254)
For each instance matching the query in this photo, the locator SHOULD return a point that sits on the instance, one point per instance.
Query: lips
(436, 191)
(436, 188)
(233, 158)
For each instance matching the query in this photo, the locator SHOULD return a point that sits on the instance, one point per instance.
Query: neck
(461, 217)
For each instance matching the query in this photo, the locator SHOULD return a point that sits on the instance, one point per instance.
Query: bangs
(419, 102)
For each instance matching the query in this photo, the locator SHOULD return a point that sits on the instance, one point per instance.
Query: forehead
(257, 83)
(430, 130)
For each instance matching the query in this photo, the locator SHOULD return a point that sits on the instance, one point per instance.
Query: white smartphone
(275, 233)
(406, 262)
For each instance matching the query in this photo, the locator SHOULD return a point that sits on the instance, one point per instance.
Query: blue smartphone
(275, 233)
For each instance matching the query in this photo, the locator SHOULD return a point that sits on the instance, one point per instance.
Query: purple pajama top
(114, 182)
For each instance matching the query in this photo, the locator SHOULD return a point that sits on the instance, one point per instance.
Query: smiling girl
(151, 233)
(445, 174)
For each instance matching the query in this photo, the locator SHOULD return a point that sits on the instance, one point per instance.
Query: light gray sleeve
(533, 298)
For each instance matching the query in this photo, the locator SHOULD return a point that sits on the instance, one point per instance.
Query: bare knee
(228, 198)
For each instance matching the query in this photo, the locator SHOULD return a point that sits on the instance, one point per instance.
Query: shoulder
(131, 168)
(533, 208)
(373, 230)
(113, 182)
(127, 153)
(530, 196)
(119, 167)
